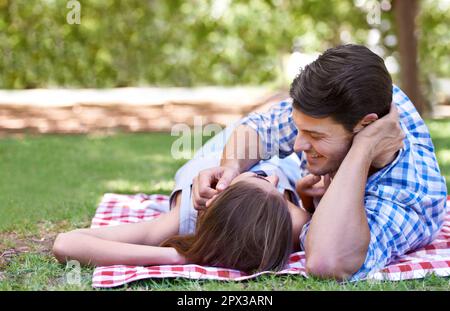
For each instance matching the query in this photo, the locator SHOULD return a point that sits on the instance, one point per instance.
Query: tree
(406, 12)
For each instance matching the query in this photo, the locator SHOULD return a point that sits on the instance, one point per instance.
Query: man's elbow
(326, 268)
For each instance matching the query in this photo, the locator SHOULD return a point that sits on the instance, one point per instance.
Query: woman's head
(247, 227)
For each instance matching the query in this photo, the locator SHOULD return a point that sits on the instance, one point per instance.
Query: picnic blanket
(117, 209)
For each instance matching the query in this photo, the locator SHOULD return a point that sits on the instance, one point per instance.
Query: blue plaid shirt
(405, 202)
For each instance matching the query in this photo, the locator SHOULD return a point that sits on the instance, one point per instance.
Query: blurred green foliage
(186, 43)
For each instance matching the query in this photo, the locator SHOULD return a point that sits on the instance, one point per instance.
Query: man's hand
(209, 183)
(312, 186)
(382, 138)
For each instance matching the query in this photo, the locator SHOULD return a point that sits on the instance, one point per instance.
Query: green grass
(51, 184)
(440, 133)
(55, 178)
(42, 272)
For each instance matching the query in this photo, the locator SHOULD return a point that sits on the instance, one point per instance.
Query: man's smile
(313, 155)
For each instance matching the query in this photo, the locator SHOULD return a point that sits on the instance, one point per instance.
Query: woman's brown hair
(245, 228)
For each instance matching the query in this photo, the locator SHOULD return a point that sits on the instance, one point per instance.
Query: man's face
(324, 142)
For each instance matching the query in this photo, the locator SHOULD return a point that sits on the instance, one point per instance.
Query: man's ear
(369, 118)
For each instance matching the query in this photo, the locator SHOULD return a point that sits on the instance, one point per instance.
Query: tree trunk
(405, 16)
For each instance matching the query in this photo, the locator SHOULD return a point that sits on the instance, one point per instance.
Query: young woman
(251, 226)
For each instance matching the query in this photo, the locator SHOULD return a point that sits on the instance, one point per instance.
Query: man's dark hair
(345, 83)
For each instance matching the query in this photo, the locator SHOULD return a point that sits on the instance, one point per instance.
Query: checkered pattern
(405, 201)
(117, 209)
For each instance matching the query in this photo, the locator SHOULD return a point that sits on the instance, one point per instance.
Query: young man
(381, 192)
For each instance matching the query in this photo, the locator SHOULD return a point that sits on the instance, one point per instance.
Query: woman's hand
(310, 187)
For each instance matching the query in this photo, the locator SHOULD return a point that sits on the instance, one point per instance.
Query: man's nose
(274, 179)
(301, 143)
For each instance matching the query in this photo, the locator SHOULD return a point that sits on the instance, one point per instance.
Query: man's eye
(313, 136)
(260, 173)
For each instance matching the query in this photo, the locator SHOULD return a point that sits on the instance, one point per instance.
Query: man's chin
(318, 171)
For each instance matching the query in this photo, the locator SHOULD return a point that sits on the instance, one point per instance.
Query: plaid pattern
(405, 201)
(117, 209)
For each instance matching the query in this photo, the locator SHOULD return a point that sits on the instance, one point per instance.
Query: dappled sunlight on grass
(124, 186)
(180, 157)
(165, 158)
(129, 187)
(439, 129)
(64, 177)
(440, 134)
(444, 156)
(162, 186)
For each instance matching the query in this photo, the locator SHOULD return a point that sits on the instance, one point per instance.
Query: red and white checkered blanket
(117, 209)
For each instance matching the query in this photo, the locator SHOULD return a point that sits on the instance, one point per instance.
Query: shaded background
(218, 42)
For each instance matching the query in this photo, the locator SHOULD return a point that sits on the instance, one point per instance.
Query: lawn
(51, 184)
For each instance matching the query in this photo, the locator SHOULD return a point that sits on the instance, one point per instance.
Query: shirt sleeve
(394, 230)
(388, 224)
(275, 129)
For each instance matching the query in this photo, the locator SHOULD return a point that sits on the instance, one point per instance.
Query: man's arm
(260, 136)
(338, 237)
(243, 149)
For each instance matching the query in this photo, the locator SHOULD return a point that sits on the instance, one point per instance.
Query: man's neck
(373, 169)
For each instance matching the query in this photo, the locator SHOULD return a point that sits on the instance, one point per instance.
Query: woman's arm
(90, 250)
(129, 244)
(299, 218)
